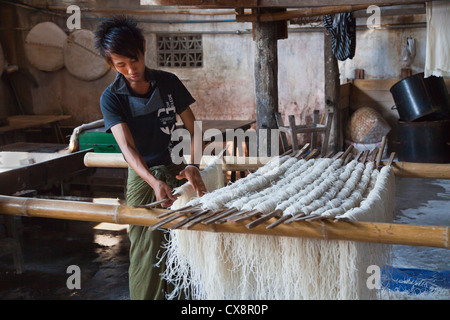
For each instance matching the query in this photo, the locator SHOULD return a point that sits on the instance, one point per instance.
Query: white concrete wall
(224, 87)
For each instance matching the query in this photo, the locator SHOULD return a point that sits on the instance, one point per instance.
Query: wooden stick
(315, 217)
(220, 216)
(312, 154)
(391, 159)
(188, 219)
(346, 153)
(337, 219)
(303, 217)
(279, 221)
(388, 233)
(292, 218)
(365, 155)
(374, 154)
(359, 156)
(227, 218)
(380, 153)
(172, 217)
(264, 218)
(329, 154)
(295, 216)
(338, 155)
(166, 220)
(199, 219)
(302, 151)
(246, 216)
(286, 153)
(237, 216)
(165, 214)
(232, 216)
(348, 158)
(152, 204)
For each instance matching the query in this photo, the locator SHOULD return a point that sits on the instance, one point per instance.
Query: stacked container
(423, 105)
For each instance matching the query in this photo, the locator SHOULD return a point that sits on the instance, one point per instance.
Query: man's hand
(193, 176)
(163, 191)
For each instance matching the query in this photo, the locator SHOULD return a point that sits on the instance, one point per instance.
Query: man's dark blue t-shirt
(150, 117)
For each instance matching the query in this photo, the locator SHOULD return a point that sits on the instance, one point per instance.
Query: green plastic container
(101, 142)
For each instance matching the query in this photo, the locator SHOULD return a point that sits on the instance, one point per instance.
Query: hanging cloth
(437, 58)
(342, 27)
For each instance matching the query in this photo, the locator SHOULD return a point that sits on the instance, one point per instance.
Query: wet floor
(50, 247)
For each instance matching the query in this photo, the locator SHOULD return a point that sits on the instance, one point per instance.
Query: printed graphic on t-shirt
(167, 116)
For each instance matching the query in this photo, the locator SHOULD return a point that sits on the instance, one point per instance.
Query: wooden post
(359, 73)
(331, 90)
(314, 133)
(406, 72)
(266, 35)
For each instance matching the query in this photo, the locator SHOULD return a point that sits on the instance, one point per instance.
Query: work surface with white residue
(422, 202)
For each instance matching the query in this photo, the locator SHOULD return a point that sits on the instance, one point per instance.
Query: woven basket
(366, 125)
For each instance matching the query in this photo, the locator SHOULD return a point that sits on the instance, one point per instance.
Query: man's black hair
(119, 35)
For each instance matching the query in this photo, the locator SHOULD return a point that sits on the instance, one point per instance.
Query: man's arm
(134, 159)
(190, 173)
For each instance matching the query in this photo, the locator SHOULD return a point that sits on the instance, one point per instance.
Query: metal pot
(416, 97)
(424, 141)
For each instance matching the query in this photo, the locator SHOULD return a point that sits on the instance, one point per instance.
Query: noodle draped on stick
(208, 265)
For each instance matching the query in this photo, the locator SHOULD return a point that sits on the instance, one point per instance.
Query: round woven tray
(44, 46)
(81, 58)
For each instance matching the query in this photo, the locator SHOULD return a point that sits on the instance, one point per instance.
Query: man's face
(132, 69)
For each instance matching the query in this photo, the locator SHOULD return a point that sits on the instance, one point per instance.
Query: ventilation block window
(180, 51)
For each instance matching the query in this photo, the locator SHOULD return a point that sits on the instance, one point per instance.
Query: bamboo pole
(231, 163)
(105, 160)
(388, 233)
(420, 170)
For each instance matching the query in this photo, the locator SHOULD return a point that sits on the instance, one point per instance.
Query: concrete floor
(50, 246)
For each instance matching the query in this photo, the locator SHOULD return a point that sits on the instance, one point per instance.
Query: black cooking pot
(424, 141)
(416, 97)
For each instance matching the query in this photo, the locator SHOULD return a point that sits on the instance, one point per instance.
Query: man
(140, 109)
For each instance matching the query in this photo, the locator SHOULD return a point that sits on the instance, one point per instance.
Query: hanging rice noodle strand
(210, 265)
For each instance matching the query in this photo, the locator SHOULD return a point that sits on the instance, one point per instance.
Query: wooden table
(223, 125)
(23, 122)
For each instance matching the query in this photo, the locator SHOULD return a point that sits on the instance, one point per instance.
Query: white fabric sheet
(437, 60)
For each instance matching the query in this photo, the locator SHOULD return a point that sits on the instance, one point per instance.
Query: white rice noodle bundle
(253, 182)
(221, 266)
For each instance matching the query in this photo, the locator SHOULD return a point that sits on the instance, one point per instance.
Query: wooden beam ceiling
(306, 12)
(271, 3)
(298, 9)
